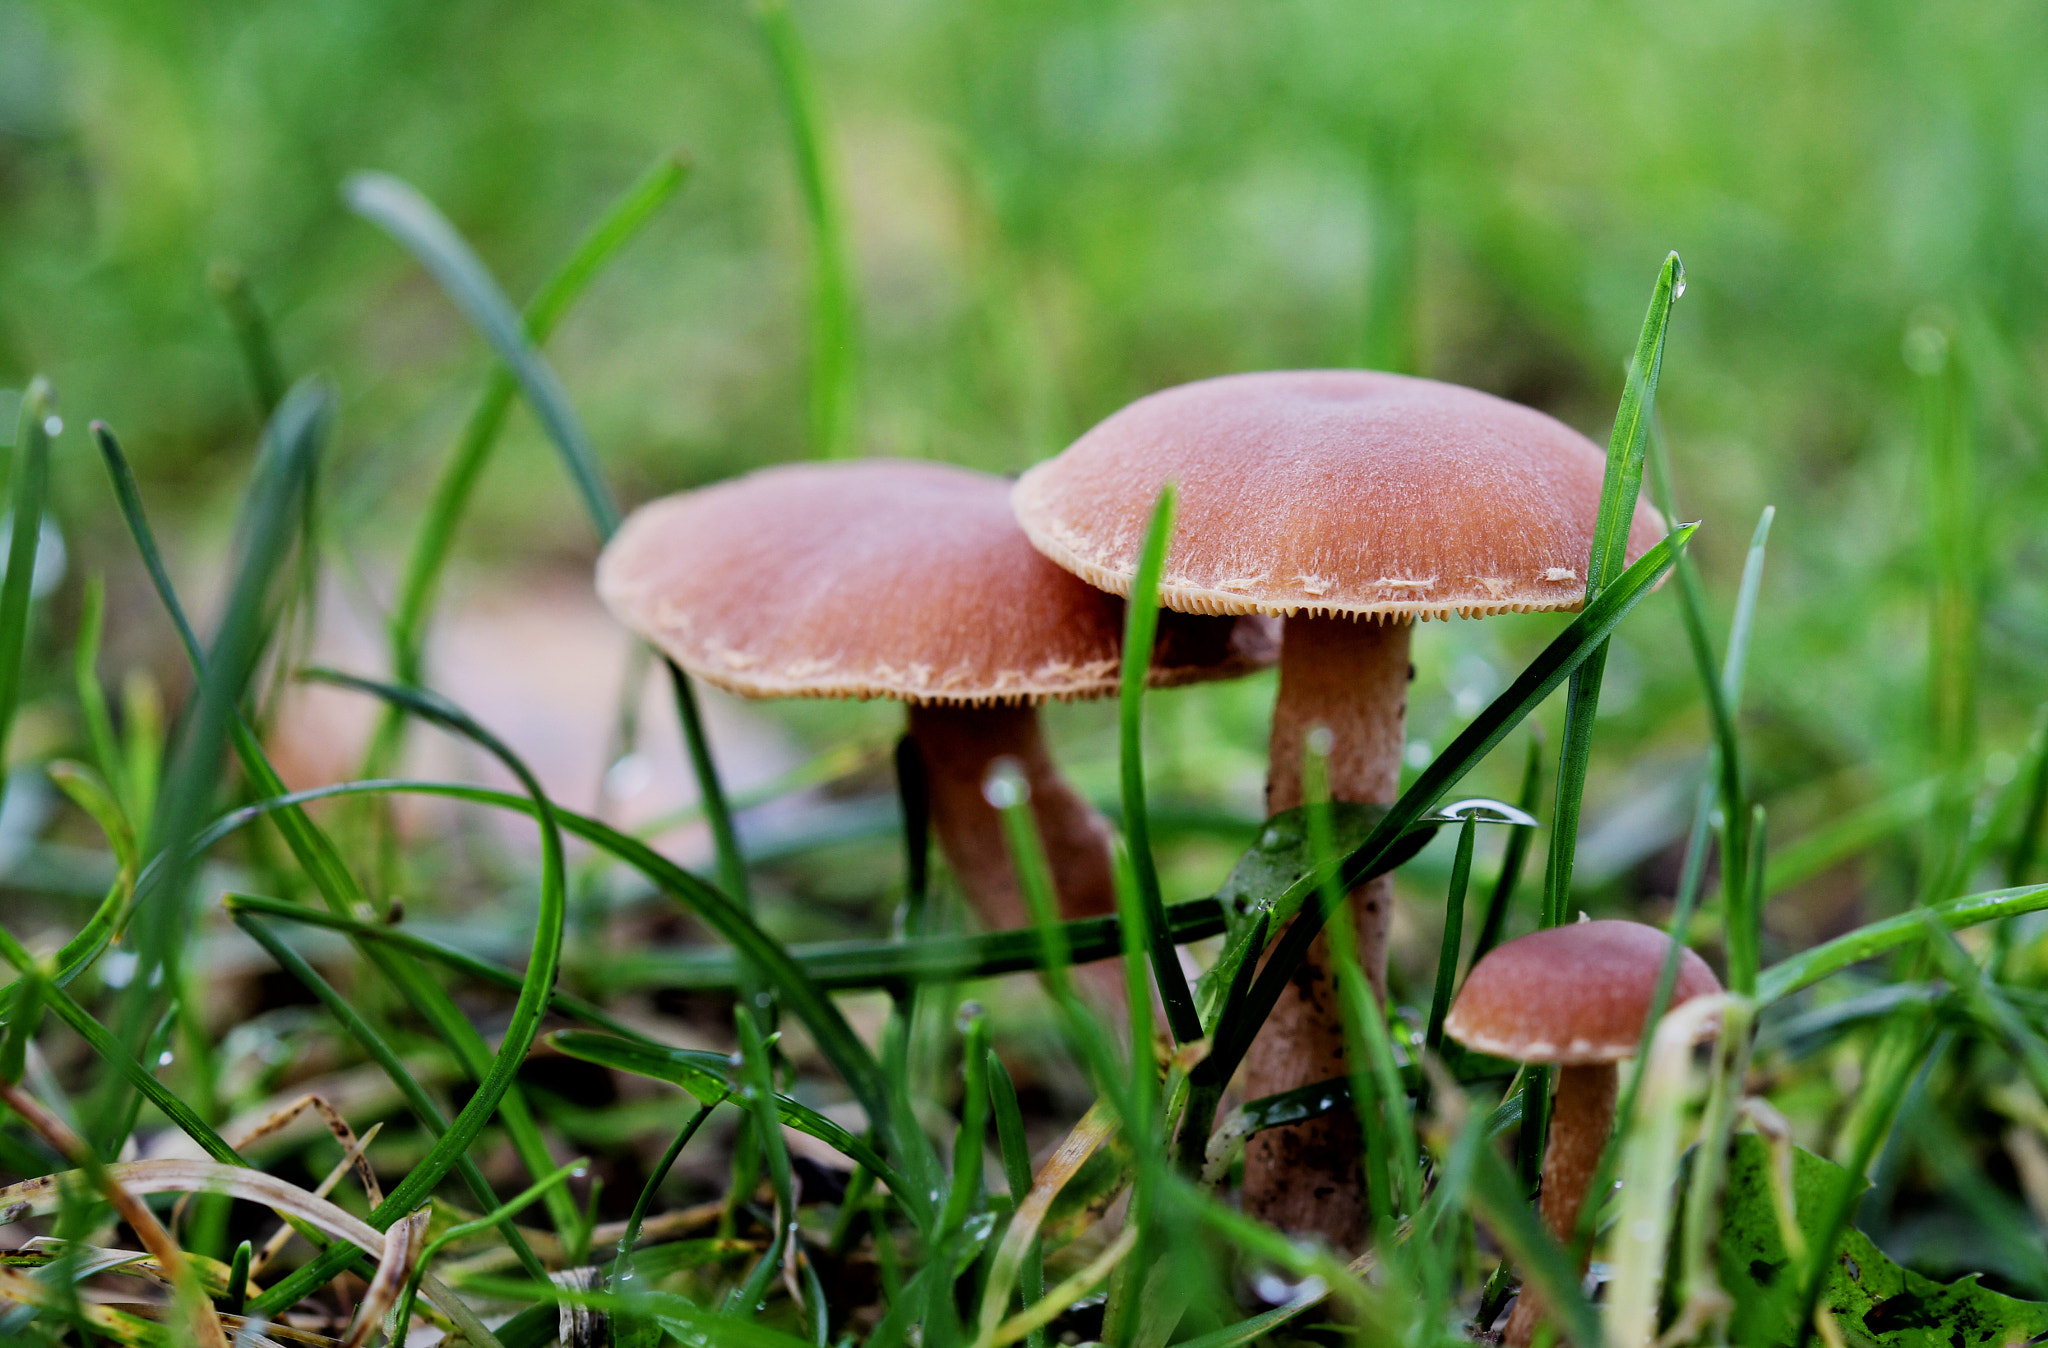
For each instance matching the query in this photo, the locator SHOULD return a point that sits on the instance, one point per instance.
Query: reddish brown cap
(1331, 492)
(883, 578)
(1574, 994)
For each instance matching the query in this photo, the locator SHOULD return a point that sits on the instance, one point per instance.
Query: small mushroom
(1574, 996)
(905, 580)
(1349, 503)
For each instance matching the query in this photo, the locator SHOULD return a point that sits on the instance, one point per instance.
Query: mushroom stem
(1351, 676)
(958, 744)
(1581, 1117)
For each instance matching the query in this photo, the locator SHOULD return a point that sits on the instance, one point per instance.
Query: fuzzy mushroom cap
(883, 578)
(1329, 492)
(1576, 994)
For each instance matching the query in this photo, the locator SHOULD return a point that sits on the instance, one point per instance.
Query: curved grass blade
(1808, 967)
(708, 1076)
(834, 1036)
(400, 211)
(1454, 930)
(756, 1094)
(1141, 626)
(1550, 668)
(520, 1030)
(1626, 450)
(457, 483)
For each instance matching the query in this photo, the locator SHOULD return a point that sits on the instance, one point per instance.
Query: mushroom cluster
(886, 578)
(1345, 505)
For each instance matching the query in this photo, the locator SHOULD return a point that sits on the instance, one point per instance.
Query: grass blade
(253, 338)
(1625, 453)
(400, 211)
(1141, 625)
(31, 486)
(1514, 857)
(835, 348)
(1808, 967)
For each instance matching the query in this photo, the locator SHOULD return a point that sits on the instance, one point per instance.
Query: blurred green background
(1053, 208)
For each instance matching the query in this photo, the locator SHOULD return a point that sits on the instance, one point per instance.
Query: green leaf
(1873, 1300)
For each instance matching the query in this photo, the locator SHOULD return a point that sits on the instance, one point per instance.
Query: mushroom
(1350, 503)
(1574, 996)
(898, 579)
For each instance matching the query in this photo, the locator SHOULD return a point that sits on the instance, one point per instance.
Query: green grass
(966, 235)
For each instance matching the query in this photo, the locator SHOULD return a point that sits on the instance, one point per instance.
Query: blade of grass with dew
(521, 1028)
(1625, 454)
(1514, 856)
(25, 511)
(1869, 941)
(2027, 837)
(757, 1096)
(705, 1076)
(1537, 681)
(835, 349)
(1141, 626)
(415, 1095)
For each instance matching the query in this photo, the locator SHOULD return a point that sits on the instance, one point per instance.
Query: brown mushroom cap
(882, 578)
(1575, 994)
(1331, 492)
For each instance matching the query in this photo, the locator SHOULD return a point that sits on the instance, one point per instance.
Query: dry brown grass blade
(281, 1118)
(283, 1234)
(183, 1176)
(401, 1247)
(53, 1130)
(246, 1330)
(1096, 1127)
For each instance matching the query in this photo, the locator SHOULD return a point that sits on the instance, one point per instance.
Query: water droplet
(117, 970)
(737, 1059)
(1321, 741)
(165, 1058)
(1272, 840)
(53, 425)
(1005, 786)
(1326, 1103)
(763, 1000)
(579, 1172)
(1678, 282)
(969, 1013)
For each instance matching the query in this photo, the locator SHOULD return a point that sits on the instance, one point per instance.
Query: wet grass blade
(1808, 967)
(31, 486)
(1538, 680)
(1141, 626)
(757, 1096)
(835, 347)
(1626, 451)
(400, 211)
(1016, 1153)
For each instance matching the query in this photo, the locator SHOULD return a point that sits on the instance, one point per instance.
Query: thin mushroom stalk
(1581, 1117)
(957, 745)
